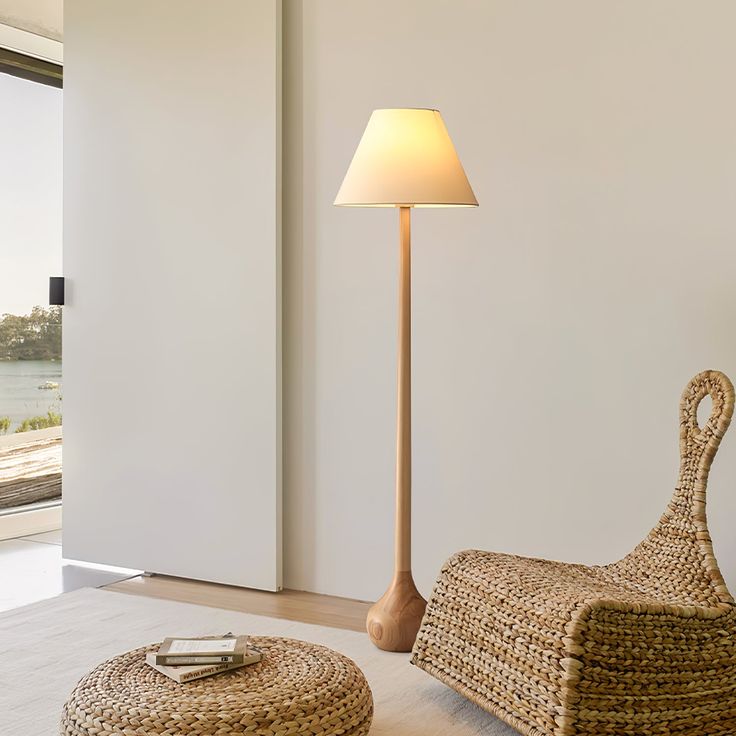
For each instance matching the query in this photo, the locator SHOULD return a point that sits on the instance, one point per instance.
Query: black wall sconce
(56, 291)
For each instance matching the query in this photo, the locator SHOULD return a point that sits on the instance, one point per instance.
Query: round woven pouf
(297, 688)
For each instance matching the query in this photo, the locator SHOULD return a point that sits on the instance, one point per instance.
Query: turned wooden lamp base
(394, 620)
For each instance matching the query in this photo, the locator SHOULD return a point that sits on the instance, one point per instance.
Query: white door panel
(172, 321)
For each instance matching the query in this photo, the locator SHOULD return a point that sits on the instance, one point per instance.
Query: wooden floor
(311, 608)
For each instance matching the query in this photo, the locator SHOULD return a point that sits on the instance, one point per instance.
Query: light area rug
(46, 647)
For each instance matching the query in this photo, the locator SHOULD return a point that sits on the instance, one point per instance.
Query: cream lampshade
(405, 159)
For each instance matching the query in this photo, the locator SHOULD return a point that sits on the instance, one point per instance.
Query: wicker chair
(643, 647)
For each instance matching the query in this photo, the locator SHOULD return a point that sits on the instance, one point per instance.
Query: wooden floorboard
(294, 605)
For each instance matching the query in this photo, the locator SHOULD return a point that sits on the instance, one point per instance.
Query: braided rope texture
(297, 688)
(643, 647)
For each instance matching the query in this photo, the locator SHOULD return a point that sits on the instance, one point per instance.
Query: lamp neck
(403, 414)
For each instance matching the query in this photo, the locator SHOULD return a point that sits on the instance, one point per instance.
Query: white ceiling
(42, 17)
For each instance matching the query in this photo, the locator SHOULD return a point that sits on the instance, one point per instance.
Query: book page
(195, 646)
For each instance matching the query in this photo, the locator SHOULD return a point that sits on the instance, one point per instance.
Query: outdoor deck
(30, 467)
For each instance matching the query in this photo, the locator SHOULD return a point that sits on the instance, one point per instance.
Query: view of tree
(35, 336)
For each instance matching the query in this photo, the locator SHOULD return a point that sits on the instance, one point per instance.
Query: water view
(30, 370)
(20, 394)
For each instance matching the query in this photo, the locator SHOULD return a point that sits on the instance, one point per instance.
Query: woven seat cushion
(297, 688)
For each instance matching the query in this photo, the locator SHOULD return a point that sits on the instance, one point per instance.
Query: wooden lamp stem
(403, 409)
(393, 622)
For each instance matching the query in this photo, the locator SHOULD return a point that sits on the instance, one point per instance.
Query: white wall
(172, 342)
(555, 326)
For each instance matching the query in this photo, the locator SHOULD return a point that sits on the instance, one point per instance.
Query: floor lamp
(405, 159)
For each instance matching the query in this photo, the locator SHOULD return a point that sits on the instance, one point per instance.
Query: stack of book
(184, 660)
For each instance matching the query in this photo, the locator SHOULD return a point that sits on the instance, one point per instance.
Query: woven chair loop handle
(676, 559)
(693, 437)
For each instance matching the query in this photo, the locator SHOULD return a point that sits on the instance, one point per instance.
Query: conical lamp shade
(405, 157)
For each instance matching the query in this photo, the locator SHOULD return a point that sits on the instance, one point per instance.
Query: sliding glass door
(31, 381)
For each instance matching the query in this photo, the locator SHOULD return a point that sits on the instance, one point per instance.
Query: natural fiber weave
(298, 688)
(642, 647)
